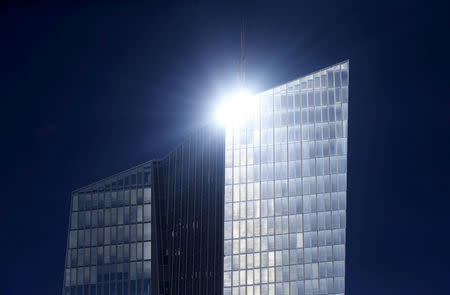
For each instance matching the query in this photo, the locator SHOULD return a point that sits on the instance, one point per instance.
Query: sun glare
(236, 108)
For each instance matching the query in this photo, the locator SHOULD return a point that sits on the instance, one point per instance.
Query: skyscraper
(154, 229)
(285, 189)
(255, 207)
(109, 244)
(188, 216)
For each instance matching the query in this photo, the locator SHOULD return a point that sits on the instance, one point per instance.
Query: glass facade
(109, 242)
(258, 207)
(154, 229)
(285, 190)
(188, 197)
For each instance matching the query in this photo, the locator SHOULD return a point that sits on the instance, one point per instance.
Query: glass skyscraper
(256, 207)
(285, 189)
(154, 229)
(188, 198)
(109, 243)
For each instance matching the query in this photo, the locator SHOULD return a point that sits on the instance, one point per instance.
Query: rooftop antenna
(242, 59)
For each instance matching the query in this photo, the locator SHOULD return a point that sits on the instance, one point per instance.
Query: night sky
(89, 89)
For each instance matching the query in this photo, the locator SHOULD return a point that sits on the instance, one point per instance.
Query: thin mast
(242, 59)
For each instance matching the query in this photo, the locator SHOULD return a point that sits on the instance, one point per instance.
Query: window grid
(109, 243)
(320, 198)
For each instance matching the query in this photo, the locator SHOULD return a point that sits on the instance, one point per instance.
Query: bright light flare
(237, 108)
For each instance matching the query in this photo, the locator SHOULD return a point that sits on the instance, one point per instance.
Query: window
(147, 213)
(147, 195)
(73, 239)
(147, 250)
(147, 231)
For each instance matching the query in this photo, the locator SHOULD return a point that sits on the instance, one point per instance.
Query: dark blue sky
(92, 88)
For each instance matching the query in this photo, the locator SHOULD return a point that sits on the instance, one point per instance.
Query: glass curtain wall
(285, 190)
(188, 218)
(109, 242)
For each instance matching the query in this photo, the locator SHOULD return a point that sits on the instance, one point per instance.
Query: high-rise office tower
(257, 207)
(188, 203)
(109, 247)
(154, 229)
(285, 189)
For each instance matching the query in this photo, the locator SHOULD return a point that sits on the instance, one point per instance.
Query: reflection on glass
(299, 165)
